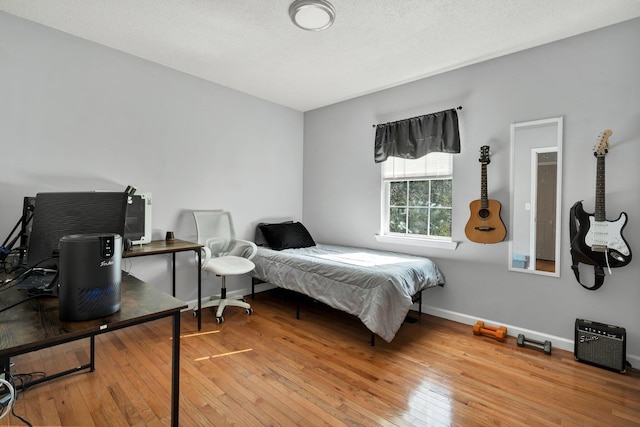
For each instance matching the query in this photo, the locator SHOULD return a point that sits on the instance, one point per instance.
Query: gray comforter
(375, 286)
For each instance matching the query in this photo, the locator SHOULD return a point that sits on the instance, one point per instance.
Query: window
(417, 197)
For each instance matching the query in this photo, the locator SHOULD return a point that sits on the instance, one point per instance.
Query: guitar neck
(600, 214)
(484, 200)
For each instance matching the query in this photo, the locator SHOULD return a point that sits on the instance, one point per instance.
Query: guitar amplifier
(600, 345)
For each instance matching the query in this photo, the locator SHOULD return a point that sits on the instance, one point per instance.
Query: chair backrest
(215, 230)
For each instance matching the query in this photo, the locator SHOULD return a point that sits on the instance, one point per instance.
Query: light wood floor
(545, 265)
(271, 369)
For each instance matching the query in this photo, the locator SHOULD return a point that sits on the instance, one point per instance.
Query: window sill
(425, 243)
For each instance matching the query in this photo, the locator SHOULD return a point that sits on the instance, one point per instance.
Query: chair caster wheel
(195, 313)
(249, 311)
(219, 320)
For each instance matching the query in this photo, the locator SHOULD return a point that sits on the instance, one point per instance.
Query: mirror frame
(555, 145)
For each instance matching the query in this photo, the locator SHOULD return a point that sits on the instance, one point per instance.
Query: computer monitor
(65, 213)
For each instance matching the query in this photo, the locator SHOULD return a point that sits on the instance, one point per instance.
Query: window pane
(441, 192)
(397, 220)
(417, 196)
(398, 193)
(418, 221)
(418, 193)
(441, 222)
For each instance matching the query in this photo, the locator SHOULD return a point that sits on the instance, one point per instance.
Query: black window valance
(418, 136)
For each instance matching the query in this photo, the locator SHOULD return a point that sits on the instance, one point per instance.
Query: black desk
(158, 247)
(35, 325)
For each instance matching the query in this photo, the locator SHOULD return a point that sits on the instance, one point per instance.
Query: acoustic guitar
(597, 239)
(485, 224)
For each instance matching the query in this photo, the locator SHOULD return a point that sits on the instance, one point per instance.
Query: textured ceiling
(252, 46)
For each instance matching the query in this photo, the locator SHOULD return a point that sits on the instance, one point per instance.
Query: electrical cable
(8, 405)
(13, 412)
(25, 379)
(16, 280)
(19, 302)
(10, 283)
(15, 398)
(36, 293)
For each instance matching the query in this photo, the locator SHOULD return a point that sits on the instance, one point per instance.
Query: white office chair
(224, 255)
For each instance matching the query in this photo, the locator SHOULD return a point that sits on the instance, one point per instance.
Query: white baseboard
(557, 342)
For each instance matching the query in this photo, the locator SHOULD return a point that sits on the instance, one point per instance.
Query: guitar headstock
(484, 155)
(602, 146)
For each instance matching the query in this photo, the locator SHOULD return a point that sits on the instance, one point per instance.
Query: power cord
(25, 379)
(9, 283)
(6, 401)
(19, 302)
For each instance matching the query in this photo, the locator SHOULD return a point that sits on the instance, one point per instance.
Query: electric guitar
(485, 224)
(597, 239)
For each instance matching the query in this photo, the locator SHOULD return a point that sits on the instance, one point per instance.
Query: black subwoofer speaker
(600, 344)
(90, 276)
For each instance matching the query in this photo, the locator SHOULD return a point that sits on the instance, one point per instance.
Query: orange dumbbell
(499, 333)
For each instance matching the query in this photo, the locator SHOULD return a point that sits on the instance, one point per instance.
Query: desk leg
(92, 353)
(198, 262)
(173, 277)
(175, 370)
(5, 367)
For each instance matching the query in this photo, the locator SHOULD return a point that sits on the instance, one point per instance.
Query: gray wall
(593, 82)
(75, 116)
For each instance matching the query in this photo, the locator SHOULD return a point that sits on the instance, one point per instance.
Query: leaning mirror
(536, 194)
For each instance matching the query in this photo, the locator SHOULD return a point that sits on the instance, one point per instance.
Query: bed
(378, 287)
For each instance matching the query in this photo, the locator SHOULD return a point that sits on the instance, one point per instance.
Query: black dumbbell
(536, 345)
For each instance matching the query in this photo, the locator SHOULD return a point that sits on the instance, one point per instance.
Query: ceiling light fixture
(312, 15)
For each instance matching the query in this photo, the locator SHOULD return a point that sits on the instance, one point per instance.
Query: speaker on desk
(90, 276)
(600, 345)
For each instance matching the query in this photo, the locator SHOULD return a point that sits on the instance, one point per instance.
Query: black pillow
(259, 238)
(286, 236)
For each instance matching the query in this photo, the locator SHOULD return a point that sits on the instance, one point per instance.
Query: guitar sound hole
(484, 213)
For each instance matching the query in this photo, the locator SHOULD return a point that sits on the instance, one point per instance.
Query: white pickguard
(607, 234)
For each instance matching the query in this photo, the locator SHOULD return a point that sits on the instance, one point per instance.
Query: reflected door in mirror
(546, 212)
(536, 175)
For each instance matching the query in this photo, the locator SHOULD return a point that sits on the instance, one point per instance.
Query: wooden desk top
(157, 247)
(35, 324)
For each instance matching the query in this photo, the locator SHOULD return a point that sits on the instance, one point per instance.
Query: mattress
(376, 286)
